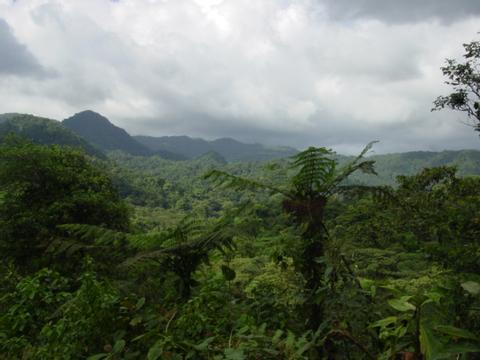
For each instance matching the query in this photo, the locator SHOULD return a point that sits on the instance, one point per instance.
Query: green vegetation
(464, 78)
(140, 257)
(230, 149)
(43, 131)
(43, 188)
(97, 130)
(143, 258)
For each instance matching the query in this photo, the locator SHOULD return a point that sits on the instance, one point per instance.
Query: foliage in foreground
(397, 274)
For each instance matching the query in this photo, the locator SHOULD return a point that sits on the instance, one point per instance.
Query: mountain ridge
(231, 149)
(99, 131)
(44, 131)
(184, 147)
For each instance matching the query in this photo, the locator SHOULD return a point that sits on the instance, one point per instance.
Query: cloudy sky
(335, 73)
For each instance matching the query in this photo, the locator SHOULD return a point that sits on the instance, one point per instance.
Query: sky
(335, 73)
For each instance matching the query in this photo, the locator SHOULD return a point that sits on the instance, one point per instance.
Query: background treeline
(131, 257)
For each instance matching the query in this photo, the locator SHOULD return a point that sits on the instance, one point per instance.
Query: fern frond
(365, 166)
(68, 247)
(316, 168)
(95, 235)
(222, 178)
(191, 241)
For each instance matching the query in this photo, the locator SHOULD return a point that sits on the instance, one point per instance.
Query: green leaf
(385, 322)
(155, 351)
(456, 332)
(140, 303)
(402, 304)
(434, 296)
(119, 346)
(136, 320)
(97, 356)
(204, 344)
(461, 348)
(234, 354)
(366, 284)
(430, 346)
(472, 287)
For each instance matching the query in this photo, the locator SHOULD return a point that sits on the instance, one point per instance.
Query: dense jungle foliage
(146, 258)
(132, 257)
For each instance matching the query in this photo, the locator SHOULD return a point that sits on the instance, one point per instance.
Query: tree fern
(305, 198)
(180, 249)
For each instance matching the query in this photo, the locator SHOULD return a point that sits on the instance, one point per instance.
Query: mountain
(389, 166)
(99, 131)
(9, 116)
(230, 149)
(187, 146)
(43, 131)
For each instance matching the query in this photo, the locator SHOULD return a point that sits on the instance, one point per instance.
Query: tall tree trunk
(313, 270)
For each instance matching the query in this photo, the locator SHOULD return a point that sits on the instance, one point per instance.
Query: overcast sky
(334, 73)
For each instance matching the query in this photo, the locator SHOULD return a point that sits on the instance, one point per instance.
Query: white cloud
(276, 71)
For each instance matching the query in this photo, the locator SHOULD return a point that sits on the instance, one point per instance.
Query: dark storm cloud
(15, 58)
(403, 11)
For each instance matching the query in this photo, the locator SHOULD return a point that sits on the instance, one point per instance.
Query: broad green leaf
(234, 354)
(472, 287)
(155, 351)
(385, 322)
(119, 346)
(402, 304)
(392, 289)
(461, 348)
(140, 303)
(365, 283)
(456, 332)
(433, 296)
(430, 346)
(136, 320)
(204, 344)
(277, 336)
(97, 357)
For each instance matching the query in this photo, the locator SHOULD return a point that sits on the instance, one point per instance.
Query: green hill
(43, 131)
(99, 131)
(389, 166)
(231, 149)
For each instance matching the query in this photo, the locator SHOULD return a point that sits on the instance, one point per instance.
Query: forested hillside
(99, 131)
(390, 166)
(43, 131)
(231, 149)
(143, 257)
(157, 244)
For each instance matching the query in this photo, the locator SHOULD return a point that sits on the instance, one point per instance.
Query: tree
(305, 197)
(464, 77)
(42, 187)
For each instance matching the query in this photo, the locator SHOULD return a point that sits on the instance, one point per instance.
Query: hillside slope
(44, 131)
(231, 149)
(389, 166)
(99, 131)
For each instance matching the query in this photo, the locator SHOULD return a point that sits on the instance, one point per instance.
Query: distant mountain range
(97, 136)
(89, 128)
(231, 149)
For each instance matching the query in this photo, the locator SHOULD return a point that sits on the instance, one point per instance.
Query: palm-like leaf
(222, 178)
